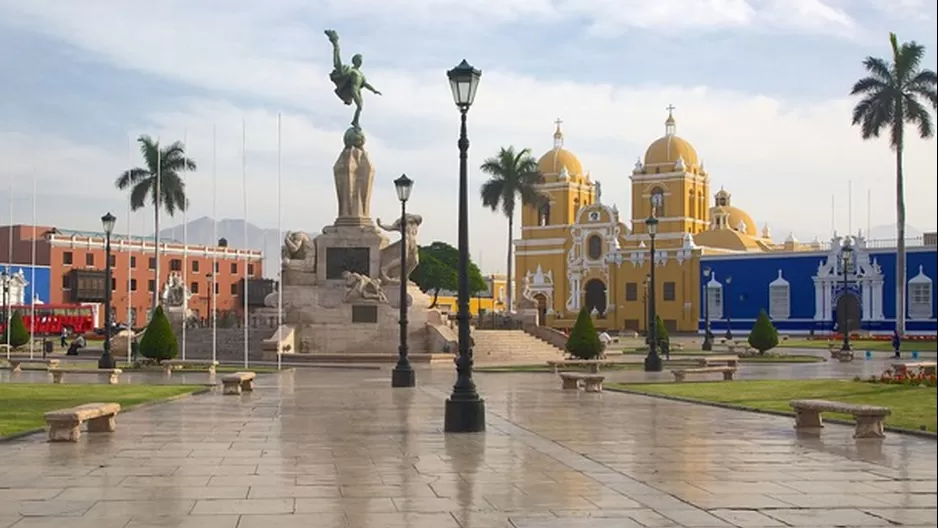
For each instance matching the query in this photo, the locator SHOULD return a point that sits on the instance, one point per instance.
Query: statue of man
(348, 79)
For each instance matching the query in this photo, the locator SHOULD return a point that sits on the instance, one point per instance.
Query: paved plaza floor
(320, 448)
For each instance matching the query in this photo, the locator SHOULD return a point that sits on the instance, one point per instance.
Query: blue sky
(760, 88)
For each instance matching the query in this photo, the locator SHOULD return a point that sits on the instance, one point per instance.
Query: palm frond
(868, 85)
(492, 193)
(908, 61)
(916, 114)
(131, 177)
(878, 69)
(138, 195)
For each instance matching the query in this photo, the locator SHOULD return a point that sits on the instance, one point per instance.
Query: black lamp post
(707, 343)
(726, 301)
(5, 277)
(465, 410)
(107, 360)
(652, 360)
(403, 373)
(647, 313)
(846, 255)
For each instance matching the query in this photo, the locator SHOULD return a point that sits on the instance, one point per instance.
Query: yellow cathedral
(576, 251)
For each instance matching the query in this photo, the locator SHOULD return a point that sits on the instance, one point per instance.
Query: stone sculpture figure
(175, 293)
(299, 251)
(348, 79)
(358, 286)
(354, 175)
(391, 255)
(527, 295)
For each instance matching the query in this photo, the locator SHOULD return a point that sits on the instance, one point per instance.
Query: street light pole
(846, 254)
(652, 360)
(726, 300)
(107, 360)
(647, 313)
(465, 410)
(403, 373)
(707, 343)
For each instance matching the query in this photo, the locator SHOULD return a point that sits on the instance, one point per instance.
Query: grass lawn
(912, 407)
(694, 354)
(604, 368)
(882, 346)
(25, 403)
(88, 364)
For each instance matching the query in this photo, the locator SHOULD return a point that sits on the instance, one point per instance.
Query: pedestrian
(896, 343)
(64, 342)
(604, 339)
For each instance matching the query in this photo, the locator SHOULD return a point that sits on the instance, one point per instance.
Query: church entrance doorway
(596, 296)
(848, 313)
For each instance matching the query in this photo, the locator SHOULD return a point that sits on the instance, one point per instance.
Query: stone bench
(593, 364)
(731, 348)
(869, 418)
(237, 382)
(680, 374)
(928, 366)
(170, 364)
(59, 374)
(65, 424)
(678, 346)
(17, 364)
(710, 361)
(591, 382)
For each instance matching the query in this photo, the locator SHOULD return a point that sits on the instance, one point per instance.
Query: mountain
(200, 232)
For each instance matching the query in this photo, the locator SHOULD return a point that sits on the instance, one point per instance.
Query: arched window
(691, 204)
(657, 202)
(543, 214)
(594, 247)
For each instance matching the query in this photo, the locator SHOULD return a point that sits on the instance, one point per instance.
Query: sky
(761, 88)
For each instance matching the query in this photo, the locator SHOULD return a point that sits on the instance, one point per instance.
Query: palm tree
(892, 96)
(160, 180)
(513, 174)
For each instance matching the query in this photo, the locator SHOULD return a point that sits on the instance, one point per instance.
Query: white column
(877, 307)
(818, 299)
(865, 299)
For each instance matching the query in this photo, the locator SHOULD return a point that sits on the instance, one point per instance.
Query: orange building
(76, 262)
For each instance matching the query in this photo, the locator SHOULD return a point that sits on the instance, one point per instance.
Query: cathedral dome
(558, 158)
(666, 151)
(736, 218)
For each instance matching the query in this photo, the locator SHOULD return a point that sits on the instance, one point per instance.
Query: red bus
(51, 318)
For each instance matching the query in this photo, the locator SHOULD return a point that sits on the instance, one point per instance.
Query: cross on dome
(670, 128)
(558, 134)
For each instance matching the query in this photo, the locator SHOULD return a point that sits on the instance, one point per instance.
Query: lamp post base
(707, 345)
(107, 361)
(653, 363)
(464, 416)
(403, 377)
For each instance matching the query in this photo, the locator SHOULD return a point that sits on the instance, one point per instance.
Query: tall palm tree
(893, 95)
(160, 180)
(513, 175)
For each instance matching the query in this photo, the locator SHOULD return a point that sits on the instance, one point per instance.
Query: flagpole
(244, 272)
(214, 283)
(156, 222)
(7, 301)
(130, 255)
(185, 245)
(279, 237)
(32, 280)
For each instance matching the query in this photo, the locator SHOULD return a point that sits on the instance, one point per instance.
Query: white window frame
(715, 300)
(920, 295)
(780, 301)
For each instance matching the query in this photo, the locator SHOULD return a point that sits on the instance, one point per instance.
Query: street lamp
(707, 343)
(107, 360)
(5, 277)
(652, 360)
(465, 410)
(846, 255)
(403, 373)
(645, 306)
(726, 300)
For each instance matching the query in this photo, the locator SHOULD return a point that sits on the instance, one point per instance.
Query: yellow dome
(554, 160)
(736, 215)
(667, 149)
(726, 239)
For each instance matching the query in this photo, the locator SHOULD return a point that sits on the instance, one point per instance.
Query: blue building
(807, 291)
(22, 285)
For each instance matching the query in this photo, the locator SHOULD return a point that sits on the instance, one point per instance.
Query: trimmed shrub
(583, 342)
(19, 336)
(763, 336)
(159, 341)
(661, 333)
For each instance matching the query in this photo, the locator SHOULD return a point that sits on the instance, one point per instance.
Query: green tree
(439, 270)
(896, 93)
(159, 341)
(513, 175)
(763, 336)
(159, 179)
(661, 333)
(583, 342)
(19, 335)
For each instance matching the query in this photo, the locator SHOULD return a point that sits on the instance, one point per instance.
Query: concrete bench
(237, 382)
(59, 374)
(593, 364)
(710, 361)
(591, 382)
(65, 424)
(680, 374)
(170, 364)
(17, 364)
(677, 346)
(928, 366)
(869, 418)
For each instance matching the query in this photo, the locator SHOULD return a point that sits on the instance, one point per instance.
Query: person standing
(896, 343)
(64, 337)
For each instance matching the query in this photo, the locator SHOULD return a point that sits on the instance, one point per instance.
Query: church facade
(576, 251)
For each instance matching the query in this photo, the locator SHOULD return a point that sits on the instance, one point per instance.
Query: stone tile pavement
(341, 449)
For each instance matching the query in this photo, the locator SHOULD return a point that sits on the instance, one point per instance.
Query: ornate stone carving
(299, 251)
(358, 286)
(175, 293)
(354, 175)
(391, 255)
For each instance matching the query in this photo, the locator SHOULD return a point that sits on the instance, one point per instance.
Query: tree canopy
(439, 270)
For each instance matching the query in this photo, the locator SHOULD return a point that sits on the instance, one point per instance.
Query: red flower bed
(908, 377)
(884, 337)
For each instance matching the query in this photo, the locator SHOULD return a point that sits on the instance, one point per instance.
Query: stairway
(511, 346)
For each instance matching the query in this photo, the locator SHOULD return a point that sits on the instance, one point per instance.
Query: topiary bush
(661, 333)
(159, 341)
(763, 336)
(19, 336)
(583, 342)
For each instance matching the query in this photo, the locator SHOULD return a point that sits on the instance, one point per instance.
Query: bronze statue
(348, 79)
